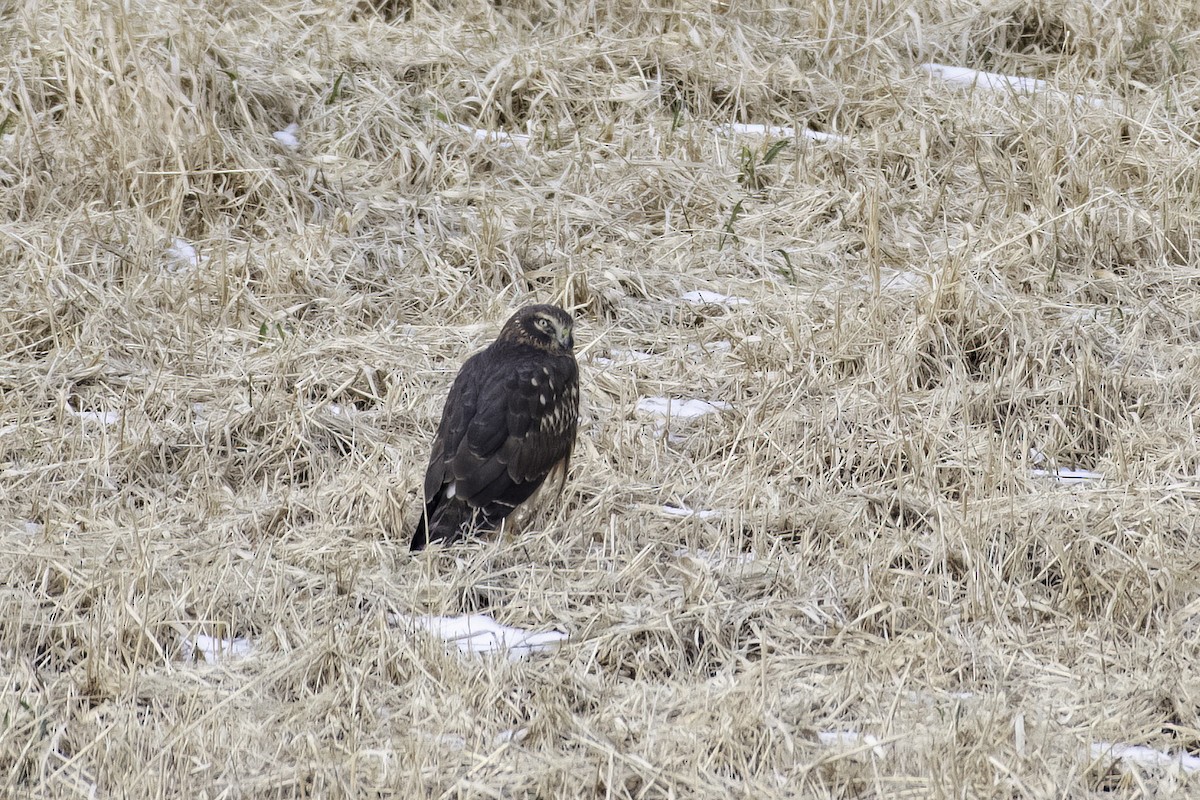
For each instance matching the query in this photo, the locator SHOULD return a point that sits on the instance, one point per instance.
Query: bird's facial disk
(560, 332)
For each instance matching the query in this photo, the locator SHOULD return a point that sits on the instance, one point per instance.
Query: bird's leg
(508, 531)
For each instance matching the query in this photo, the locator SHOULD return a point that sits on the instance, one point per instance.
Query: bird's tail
(421, 533)
(448, 522)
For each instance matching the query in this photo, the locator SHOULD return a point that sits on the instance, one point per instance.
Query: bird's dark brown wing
(509, 419)
(520, 430)
(457, 413)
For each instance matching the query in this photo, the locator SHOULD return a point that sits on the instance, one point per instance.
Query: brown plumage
(509, 421)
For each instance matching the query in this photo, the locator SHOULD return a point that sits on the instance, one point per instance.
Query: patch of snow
(850, 739)
(515, 735)
(755, 129)
(904, 281)
(213, 650)
(1062, 474)
(102, 417)
(479, 633)
(937, 698)
(1065, 475)
(685, 512)
(996, 82)
(716, 559)
(668, 408)
(182, 255)
(32, 528)
(501, 138)
(1144, 756)
(450, 740)
(703, 297)
(287, 137)
(616, 357)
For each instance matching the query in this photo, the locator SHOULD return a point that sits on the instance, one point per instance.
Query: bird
(508, 423)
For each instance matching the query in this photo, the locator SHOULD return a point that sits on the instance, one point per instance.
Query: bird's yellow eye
(543, 323)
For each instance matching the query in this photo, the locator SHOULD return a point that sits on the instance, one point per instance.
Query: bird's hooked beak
(565, 336)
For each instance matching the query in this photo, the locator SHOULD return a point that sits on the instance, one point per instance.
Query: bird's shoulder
(513, 362)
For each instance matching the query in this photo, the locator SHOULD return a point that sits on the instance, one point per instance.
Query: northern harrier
(509, 421)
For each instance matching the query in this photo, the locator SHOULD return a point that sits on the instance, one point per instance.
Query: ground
(933, 535)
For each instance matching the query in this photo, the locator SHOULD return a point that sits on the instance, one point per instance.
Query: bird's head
(544, 326)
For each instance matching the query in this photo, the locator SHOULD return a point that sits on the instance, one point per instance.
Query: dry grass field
(944, 540)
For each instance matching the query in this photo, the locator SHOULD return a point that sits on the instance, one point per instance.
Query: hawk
(508, 423)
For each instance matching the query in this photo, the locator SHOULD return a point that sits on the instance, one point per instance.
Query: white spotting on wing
(451, 490)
